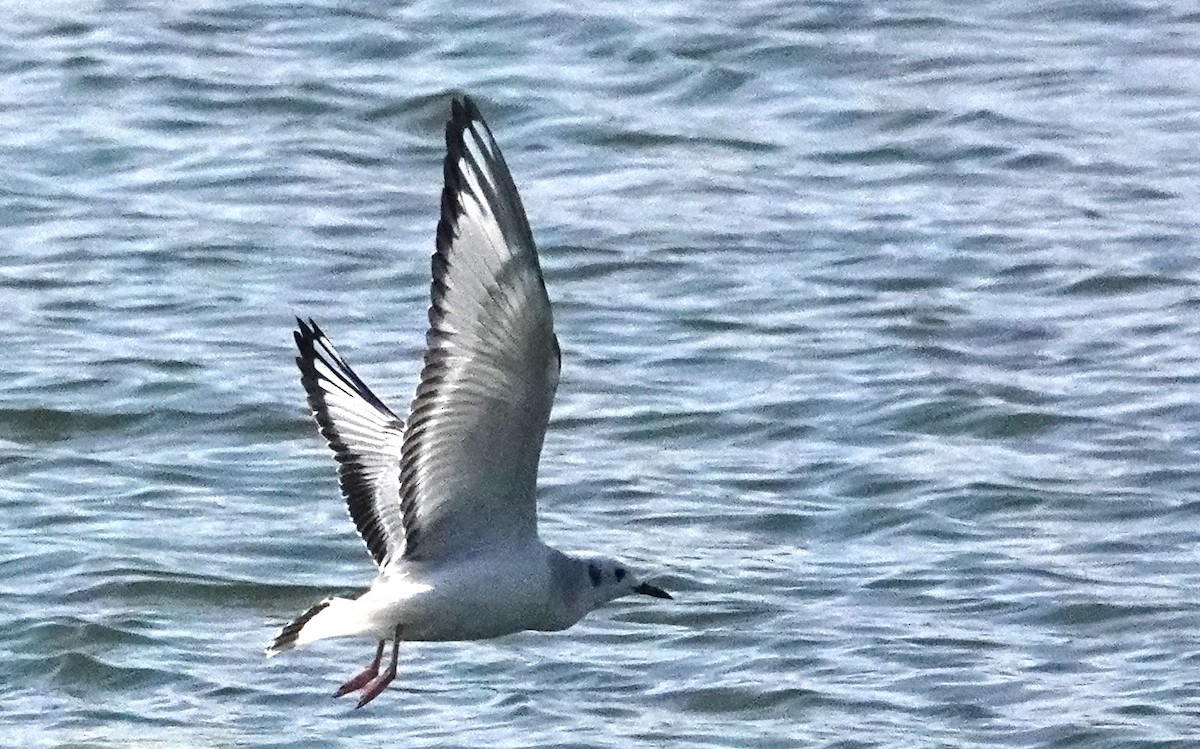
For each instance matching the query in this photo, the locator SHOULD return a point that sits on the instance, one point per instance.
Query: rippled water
(880, 330)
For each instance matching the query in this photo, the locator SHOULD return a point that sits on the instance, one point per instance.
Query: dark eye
(594, 573)
(619, 574)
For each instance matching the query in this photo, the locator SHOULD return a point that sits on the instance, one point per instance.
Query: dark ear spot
(594, 573)
(619, 574)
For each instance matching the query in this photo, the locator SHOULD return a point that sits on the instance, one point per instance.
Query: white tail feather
(333, 617)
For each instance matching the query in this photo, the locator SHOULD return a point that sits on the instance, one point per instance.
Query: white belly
(475, 599)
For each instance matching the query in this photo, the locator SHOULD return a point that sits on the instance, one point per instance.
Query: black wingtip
(463, 106)
(304, 337)
(460, 120)
(309, 329)
(463, 112)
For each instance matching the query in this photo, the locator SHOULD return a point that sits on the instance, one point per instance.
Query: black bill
(647, 589)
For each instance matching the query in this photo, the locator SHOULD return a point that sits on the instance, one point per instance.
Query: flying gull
(446, 502)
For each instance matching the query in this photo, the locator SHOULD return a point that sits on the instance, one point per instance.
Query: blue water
(880, 332)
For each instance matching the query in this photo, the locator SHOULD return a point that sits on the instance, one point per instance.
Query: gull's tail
(333, 617)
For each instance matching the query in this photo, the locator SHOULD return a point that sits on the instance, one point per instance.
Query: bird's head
(606, 579)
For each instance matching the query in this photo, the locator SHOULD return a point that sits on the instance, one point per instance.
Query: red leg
(369, 673)
(372, 690)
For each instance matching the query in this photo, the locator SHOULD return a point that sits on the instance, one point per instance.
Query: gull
(445, 501)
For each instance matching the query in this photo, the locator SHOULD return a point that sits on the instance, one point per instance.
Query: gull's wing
(365, 437)
(469, 462)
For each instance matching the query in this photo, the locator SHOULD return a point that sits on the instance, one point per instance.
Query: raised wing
(468, 466)
(365, 437)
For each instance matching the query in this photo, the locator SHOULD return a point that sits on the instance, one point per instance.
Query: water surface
(879, 327)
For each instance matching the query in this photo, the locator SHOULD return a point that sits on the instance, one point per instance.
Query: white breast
(475, 598)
